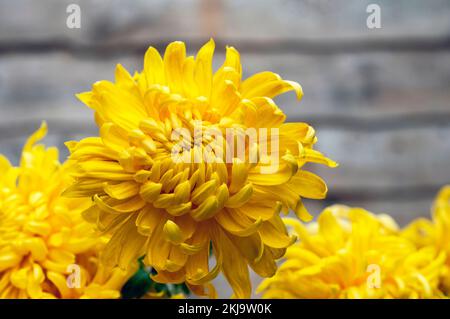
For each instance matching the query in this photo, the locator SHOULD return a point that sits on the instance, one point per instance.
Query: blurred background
(379, 99)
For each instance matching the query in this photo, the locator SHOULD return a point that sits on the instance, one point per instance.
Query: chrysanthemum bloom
(46, 249)
(351, 253)
(435, 233)
(171, 211)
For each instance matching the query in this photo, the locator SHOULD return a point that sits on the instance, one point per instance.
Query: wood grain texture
(359, 91)
(114, 21)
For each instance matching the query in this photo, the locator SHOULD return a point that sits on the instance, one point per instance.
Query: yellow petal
(130, 205)
(268, 113)
(104, 170)
(60, 283)
(273, 234)
(148, 219)
(268, 84)
(287, 168)
(158, 248)
(251, 247)
(150, 191)
(265, 265)
(133, 246)
(113, 137)
(239, 175)
(123, 78)
(19, 278)
(241, 197)
(36, 136)
(118, 105)
(201, 193)
(237, 223)
(203, 68)
(301, 212)
(317, 157)
(173, 233)
(206, 210)
(173, 65)
(255, 209)
(8, 260)
(191, 249)
(233, 62)
(122, 190)
(308, 185)
(180, 209)
(234, 266)
(153, 67)
(331, 230)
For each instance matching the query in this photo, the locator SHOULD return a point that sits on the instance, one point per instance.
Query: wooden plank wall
(379, 99)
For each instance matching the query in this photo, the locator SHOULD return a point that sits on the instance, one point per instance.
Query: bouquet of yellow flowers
(46, 249)
(192, 165)
(352, 253)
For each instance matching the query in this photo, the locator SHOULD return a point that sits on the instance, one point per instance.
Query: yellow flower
(102, 282)
(42, 235)
(351, 253)
(435, 233)
(169, 209)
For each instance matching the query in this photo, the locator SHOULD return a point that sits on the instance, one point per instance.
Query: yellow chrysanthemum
(42, 235)
(351, 253)
(170, 211)
(435, 233)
